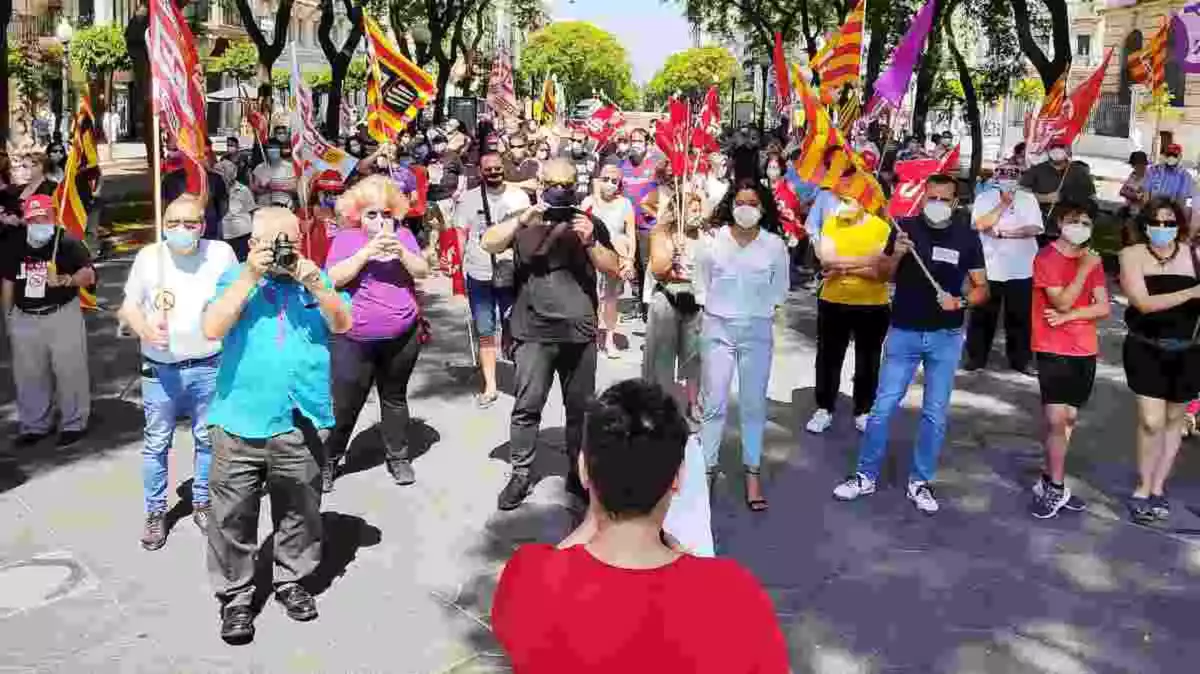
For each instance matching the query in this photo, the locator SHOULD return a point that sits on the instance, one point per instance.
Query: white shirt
(611, 213)
(237, 220)
(742, 282)
(468, 216)
(1009, 259)
(192, 282)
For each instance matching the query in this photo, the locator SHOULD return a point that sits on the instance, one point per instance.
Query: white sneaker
(820, 422)
(922, 497)
(860, 422)
(856, 485)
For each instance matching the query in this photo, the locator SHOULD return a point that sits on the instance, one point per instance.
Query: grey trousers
(50, 365)
(287, 465)
(672, 344)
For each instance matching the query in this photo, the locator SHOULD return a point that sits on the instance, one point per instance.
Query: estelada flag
(73, 196)
(397, 88)
(1065, 120)
(178, 88)
(501, 97)
(840, 63)
(1148, 65)
(826, 158)
(911, 175)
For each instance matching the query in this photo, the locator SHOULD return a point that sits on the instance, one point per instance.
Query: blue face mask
(1161, 237)
(179, 239)
(39, 235)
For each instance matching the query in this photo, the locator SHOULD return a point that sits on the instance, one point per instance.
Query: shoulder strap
(1196, 272)
(487, 209)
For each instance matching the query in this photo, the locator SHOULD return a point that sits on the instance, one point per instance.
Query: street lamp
(63, 33)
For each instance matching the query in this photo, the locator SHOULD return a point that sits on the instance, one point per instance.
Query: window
(1083, 47)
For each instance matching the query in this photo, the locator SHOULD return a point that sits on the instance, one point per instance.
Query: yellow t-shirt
(868, 237)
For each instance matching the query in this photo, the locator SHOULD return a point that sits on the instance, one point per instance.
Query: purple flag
(892, 84)
(1187, 38)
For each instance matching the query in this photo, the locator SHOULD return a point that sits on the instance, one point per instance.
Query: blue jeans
(726, 346)
(169, 392)
(489, 306)
(938, 351)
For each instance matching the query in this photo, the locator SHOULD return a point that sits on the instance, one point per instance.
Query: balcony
(30, 27)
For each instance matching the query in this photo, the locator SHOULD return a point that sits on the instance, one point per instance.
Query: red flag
(671, 135)
(708, 129)
(258, 122)
(178, 87)
(1066, 121)
(603, 123)
(910, 181)
(450, 256)
(783, 90)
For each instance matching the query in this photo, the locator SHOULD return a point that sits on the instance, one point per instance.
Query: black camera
(283, 253)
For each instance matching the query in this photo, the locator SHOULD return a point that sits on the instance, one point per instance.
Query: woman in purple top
(376, 262)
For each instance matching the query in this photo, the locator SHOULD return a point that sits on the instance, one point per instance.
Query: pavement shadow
(550, 453)
(342, 536)
(367, 449)
(183, 507)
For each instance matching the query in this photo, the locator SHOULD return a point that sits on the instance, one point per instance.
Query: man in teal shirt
(269, 418)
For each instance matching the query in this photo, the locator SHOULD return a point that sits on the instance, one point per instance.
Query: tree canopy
(100, 50)
(693, 71)
(583, 57)
(239, 61)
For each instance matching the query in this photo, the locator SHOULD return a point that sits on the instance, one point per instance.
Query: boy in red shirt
(1069, 298)
(625, 600)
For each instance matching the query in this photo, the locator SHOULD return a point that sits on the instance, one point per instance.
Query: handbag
(503, 274)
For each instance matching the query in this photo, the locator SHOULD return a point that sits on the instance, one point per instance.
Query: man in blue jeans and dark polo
(927, 330)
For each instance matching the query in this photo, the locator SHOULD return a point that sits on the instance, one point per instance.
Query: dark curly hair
(1150, 211)
(723, 214)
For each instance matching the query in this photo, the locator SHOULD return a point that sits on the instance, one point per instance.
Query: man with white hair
(169, 285)
(270, 417)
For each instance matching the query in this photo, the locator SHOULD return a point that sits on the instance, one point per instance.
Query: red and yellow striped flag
(74, 194)
(839, 62)
(827, 160)
(397, 88)
(1148, 65)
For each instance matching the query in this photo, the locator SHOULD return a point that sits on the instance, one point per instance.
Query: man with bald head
(168, 287)
(270, 417)
(553, 321)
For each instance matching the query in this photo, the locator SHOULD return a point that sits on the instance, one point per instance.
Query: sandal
(486, 400)
(757, 505)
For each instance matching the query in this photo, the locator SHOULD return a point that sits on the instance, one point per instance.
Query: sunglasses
(605, 179)
(514, 146)
(372, 214)
(564, 185)
(1163, 223)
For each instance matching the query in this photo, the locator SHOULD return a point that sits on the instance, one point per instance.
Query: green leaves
(356, 76)
(583, 57)
(239, 61)
(100, 50)
(693, 71)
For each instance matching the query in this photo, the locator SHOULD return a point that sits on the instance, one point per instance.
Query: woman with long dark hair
(741, 279)
(1160, 274)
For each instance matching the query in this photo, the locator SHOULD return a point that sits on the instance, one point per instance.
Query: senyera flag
(911, 175)
(397, 88)
(73, 196)
(826, 159)
(178, 88)
(1065, 121)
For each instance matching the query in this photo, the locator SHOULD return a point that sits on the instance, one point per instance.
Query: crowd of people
(270, 308)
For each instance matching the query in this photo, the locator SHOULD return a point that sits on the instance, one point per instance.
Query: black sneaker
(237, 625)
(27, 439)
(514, 493)
(201, 515)
(1140, 511)
(328, 470)
(68, 438)
(298, 603)
(154, 534)
(1160, 507)
(402, 471)
(1073, 504)
(1050, 501)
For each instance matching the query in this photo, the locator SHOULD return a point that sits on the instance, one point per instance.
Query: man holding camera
(553, 320)
(269, 417)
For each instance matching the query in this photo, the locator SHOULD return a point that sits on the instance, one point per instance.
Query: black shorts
(1066, 380)
(1162, 374)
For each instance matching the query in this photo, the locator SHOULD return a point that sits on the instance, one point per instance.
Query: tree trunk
(876, 50)
(135, 43)
(268, 52)
(1049, 70)
(971, 99)
(339, 58)
(926, 74)
(6, 10)
(444, 66)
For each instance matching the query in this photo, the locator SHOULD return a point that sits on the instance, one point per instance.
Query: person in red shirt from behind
(625, 600)
(1069, 298)
(319, 221)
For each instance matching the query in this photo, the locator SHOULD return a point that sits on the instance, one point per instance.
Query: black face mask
(559, 197)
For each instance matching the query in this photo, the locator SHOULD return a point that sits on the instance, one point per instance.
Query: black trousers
(837, 324)
(356, 366)
(1015, 300)
(287, 465)
(536, 365)
(641, 262)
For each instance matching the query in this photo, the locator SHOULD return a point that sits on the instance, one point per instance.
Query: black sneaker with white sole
(1050, 501)
(1073, 504)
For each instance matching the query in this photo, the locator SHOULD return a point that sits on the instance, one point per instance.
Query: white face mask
(1058, 154)
(38, 235)
(608, 189)
(1077, 233)
(1007, 185)
(746, 217)
(773, 172)
(1171, 161)
(938, 212)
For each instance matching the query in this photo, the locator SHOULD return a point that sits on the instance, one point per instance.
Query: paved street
(408, 573)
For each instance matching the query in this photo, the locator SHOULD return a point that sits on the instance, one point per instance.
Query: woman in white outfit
(609, 203)
(741, 278)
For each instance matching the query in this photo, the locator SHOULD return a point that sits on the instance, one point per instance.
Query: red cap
(39, 205)
(328, 181)
(1174, 148)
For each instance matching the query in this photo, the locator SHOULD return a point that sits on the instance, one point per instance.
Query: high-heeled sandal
(760, 504)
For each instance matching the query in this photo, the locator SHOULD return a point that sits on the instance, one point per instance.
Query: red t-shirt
(1052, 269)
(559, 611)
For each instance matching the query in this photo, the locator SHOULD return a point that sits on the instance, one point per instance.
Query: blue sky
(650, 30)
